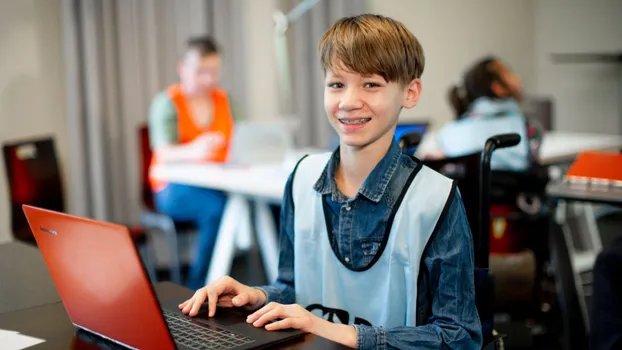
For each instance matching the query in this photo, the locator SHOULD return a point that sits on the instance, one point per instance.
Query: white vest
(386, 293)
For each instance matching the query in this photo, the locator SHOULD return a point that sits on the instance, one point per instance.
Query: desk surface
(560, 146)
(560, 190)
(34, 308)
(50, 322)
(262, 181)
(24, 278)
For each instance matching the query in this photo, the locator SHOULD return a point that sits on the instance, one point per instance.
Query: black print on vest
(342, 315)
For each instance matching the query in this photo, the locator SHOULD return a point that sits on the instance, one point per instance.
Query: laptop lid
(113, 299)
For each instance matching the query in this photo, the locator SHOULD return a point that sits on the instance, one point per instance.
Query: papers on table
(11, 340)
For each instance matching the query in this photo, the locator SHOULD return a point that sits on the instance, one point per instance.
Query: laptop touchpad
(225, 317)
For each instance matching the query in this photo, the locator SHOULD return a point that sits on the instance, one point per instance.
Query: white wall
(32, 100)
(587, 96)
(456, 33)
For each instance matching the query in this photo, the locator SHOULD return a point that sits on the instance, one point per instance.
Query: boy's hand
(291, 316)
(225, 292)
(297, 317)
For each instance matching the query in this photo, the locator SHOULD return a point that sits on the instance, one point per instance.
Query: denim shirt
(447, 316)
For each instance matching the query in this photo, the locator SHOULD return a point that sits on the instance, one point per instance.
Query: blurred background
(83, 74)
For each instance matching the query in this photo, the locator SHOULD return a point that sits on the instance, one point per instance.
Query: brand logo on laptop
(48, 230)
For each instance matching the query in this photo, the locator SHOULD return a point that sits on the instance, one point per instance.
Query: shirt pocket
(370, 248)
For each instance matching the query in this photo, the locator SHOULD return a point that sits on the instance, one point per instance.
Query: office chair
(34, 178)
(153, 220)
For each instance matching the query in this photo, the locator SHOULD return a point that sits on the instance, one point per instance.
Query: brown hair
(373, 44)
(205, 45)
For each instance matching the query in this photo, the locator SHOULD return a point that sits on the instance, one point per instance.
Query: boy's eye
(335, 85)
(371, 85)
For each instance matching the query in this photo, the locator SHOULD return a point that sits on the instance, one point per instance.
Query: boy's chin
(354, 142)
(361, 141)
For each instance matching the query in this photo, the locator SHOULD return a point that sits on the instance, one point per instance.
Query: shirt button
(347, 259)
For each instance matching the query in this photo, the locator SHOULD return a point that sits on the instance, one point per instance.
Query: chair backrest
(34, 178)
(145, 153)
(466, 171)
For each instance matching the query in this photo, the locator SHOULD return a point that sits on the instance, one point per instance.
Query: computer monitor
(404, 128)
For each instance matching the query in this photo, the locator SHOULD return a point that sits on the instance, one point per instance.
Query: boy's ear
(413, 90)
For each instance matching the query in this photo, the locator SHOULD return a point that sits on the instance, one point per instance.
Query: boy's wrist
(339, 333)
(262, 296)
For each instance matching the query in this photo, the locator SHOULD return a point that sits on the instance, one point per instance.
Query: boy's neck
(356, 164)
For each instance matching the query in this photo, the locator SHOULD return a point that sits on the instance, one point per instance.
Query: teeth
(355, 121)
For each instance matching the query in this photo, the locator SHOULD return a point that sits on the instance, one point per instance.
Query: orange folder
(596, 168)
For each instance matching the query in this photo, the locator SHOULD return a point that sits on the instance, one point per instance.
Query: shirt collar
(375, 184)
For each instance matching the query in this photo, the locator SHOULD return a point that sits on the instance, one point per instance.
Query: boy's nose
(350, 100)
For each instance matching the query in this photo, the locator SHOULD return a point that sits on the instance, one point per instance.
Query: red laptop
(105, 290)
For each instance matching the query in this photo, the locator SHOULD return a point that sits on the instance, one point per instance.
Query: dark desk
(560, 190)
(50, 322)
(32, 306)
(24, 278)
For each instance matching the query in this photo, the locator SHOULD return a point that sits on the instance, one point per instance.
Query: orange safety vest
(187, 130)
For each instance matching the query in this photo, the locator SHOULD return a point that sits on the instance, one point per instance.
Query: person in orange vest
(192, 122)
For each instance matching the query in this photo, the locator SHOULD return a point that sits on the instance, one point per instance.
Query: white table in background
(261, 185)
(558, 146)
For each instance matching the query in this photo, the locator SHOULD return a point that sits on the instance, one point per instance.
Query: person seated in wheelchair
(486, 104)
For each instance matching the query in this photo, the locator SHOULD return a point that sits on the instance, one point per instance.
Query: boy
(370, 240)
(192, 122)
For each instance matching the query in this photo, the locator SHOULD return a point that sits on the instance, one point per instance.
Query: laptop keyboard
(201, 336)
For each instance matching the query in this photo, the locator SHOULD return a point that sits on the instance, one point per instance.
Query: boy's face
(199, 74)
(365, 108)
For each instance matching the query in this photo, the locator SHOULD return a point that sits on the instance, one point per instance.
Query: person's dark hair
(205, 45)
(476, 83)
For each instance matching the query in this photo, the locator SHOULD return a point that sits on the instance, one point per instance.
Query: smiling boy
(375, 249)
